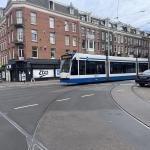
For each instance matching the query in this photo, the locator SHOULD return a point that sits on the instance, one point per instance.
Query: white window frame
(12, 36)
(52, 38)
(8, 21)
(34, 35)
(20, 51)
(9, 38)
(74, 27)
(33, 18)
(36, 51)
(71, 11)
(67, 40)
(53, 4)
(66, 26)
(51, 22)
(11, 18)
(54, 53)
(103, 36)
(74, 41)
(19, 17)
(20, 34)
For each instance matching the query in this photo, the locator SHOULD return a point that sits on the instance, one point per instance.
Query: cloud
(130, 11)
(134, 12)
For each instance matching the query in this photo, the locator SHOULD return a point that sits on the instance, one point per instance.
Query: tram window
(95, 67)
(122, 67)
(65, 65)
(74, 68)
(143, 67)
(100, 67)
(82, 69)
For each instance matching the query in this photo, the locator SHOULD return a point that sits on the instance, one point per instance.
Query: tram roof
(103, 57)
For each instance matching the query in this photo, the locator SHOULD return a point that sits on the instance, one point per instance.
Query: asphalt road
(74, 117)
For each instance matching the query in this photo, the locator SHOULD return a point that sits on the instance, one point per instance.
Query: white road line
(87, 95)
(66, 99)
(26, 106)
(21, 130)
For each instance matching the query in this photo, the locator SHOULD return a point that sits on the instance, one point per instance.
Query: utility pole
(108, 52)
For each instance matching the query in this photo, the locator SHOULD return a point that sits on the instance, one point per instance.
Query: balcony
(19, 42)
(21, 58)
(19, 23)
(90, 36)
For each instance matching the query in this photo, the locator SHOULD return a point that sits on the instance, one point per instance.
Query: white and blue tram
(81, 68)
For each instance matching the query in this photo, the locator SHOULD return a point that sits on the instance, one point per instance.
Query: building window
(12, 36)
(71, 11)
(103, 47)
(53, 52)
(19, 17)
(8, 21)
(115, 48)
(34, 36)
(74, 40)
(9, 38)
(66, 26)
(125, 39)
(103, 36)
(33, 18)
(11, 19)
(51, 23)
(91, 44)
(13, 53)
(52, 38)
(34, 52)
(107, 37)
(67, 40)
(110, 36)
(20, 34)
(20, 51)
(51, 5)
(74, 27)
(83, 44)
(121, 39)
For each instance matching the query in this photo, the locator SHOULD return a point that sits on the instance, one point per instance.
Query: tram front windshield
(65, 65)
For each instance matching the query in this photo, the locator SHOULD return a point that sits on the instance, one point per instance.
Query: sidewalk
(28, 84)
(134, 104)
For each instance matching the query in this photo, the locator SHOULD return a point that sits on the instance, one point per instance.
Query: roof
(58, 7)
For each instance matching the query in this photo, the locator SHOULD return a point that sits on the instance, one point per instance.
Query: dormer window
(71, 11)
(51, 5)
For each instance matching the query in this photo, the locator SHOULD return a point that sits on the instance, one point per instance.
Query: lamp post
(137, 64)
(108, 52)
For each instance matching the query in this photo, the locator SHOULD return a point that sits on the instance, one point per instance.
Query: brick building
(39, 32)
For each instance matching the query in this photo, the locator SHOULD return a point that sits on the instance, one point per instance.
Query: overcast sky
(134, 12)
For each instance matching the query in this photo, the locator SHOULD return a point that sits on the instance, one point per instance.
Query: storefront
(32, 69)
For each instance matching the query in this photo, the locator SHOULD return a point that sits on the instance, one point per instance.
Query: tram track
(127, 112)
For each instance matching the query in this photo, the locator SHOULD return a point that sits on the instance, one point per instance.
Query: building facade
(45, 29)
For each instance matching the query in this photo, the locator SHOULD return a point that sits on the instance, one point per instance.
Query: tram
(81, 68)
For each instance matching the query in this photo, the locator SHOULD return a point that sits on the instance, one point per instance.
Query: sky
(133, 12)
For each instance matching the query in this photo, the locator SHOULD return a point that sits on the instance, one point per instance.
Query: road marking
(87, 95)
(26, 106)
(120, 90)
(29, 138)
(124, 84)
(66, 99)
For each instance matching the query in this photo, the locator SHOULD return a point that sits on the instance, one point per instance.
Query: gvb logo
(43, 73)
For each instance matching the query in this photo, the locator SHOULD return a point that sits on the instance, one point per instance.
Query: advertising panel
(43, 73)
